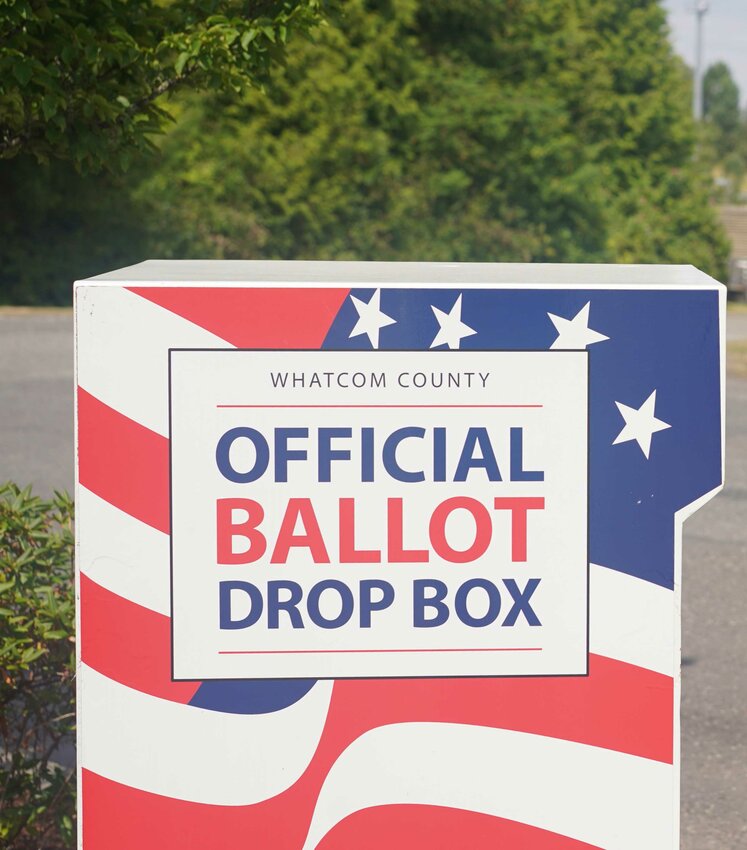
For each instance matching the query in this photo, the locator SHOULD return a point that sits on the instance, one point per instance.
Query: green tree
(721, 107)
(57, 226)
(84, 80)
(37, 669)
(484, 130)
(546, 130)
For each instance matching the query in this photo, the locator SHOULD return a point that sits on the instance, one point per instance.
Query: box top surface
(343, 273)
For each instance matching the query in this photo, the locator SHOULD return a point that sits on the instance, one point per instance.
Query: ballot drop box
(387, 554)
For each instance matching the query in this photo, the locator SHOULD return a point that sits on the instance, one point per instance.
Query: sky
(725, 35)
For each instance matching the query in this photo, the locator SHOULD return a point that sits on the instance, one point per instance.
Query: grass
(736, 358)
(13, 310)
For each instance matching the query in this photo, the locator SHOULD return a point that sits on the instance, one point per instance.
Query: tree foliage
(37, 668)
(83, 79)
(57, 226)
(724, 136)
(484, 130)
(545, 130)
(721, 107)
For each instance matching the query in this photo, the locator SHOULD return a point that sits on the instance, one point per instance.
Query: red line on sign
(327, 651)
(310, 406)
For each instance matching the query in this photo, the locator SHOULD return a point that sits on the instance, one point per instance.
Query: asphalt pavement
(36, 447)
(714, 647)
(36, 398)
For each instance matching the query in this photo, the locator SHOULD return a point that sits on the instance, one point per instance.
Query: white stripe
(631, 620)
(608, 799)
(122, 554)
(191, 753)
(122, 351)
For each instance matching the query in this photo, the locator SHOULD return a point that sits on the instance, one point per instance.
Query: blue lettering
(518, 473)
(225, 589)
(390, 454)
(494, 602)
(223, 455)
(435, 601)
(327, 454)
(275, 604)
(283, 454)
(477, 437)
(346, 609)
(367, 603)
(521, 602)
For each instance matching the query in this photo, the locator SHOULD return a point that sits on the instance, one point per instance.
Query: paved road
(36, 380)
(736, 327)
(36, 399)
(714, 647)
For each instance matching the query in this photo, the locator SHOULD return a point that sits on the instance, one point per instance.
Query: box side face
(196, 405)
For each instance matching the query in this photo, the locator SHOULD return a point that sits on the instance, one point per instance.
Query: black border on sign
(395, 350)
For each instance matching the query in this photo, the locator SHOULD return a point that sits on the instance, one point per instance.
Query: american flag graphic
(549, 763)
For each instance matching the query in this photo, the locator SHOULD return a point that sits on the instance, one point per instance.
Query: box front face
(356, 514)
(386, 565)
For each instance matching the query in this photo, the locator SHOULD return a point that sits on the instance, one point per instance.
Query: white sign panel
(378, 514)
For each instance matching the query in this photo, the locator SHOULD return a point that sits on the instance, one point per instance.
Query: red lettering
(483, 530)
(519, 506)
(348, 553)
(396, 553)
(227, 529)
(312, 538)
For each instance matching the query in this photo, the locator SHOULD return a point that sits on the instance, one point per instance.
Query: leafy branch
(37, 668)
(81, 80)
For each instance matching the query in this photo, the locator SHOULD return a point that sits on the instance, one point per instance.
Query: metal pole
(701, 8)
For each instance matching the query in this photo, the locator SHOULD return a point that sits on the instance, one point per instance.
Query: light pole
(701, 8)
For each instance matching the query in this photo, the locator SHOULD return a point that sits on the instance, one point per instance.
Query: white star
(370, 318)
(640, 424)
(575, 332)
(451, 329)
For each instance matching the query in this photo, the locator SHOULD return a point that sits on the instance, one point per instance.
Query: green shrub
(37, 670)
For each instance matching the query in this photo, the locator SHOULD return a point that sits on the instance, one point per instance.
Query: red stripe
(617, 706)
(413, 827)
(123, 462)
(119, 818)
(128, 643)
(253, 318)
